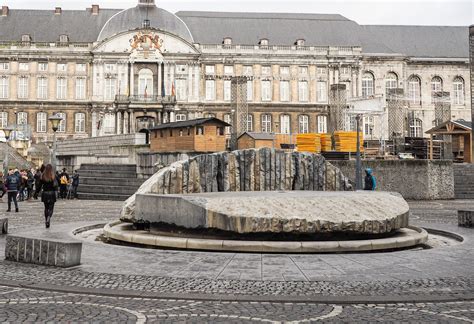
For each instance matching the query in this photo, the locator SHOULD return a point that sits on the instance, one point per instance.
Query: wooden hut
(461, 134)
(195, 135)
(255, 140)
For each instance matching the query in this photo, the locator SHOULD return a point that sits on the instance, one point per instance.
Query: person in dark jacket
(75, 183)
(49, 185)
(369, 182)
(12, 183)
(37, 178)
(30, 182)
(63, 182)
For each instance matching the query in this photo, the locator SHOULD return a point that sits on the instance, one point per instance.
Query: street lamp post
(358, 161)
(7, 131)
(55, 120)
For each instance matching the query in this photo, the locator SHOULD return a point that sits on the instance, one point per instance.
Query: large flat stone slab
(51, 252)
(278, 211)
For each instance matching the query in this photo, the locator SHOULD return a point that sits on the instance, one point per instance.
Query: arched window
(416, 128)
(436, 86)
(228, 120)
(303, 124)
(62, 123)
(367, 84)
(391, 82)
(145, 83)
(285, 124)
(414, 90)
(266, 123)
(80, 122)
(458, 87)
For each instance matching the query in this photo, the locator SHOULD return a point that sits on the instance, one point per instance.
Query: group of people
(44, 182)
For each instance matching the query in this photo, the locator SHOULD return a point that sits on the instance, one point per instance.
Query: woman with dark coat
(50, 186)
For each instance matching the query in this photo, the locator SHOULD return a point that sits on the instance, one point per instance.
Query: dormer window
(227, 41)
(25, 38)
(300, 42)
(63, 38)
(263, 42)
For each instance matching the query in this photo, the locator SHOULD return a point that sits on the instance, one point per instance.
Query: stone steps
(108, 181)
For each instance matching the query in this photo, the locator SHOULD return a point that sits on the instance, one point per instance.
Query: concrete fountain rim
(407, 237)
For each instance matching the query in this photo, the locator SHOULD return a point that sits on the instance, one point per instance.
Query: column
(354, 83)
(132, 80)
(166, 79)
(132, 122)
(197, 77)
(172, 68)
(119, 122)
(336, 75)
(189, 93)
(172, 116)
(159, 79)
(331, 76)
(158, 117)
(94, 124)
(125, 122)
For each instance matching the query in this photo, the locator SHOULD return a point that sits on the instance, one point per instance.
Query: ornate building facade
(110, 71)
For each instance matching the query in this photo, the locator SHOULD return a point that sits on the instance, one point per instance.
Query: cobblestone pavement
(127, 284)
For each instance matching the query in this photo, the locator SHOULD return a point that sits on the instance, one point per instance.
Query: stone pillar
(197, 78)
(132, 122)
(471, 51)
(159, 79)
(117, 123)
(336, 75)
(354, 83)
(331, 76)
(171, 82)
(158, 117)
(125, 122)
(189, 92)
(94, 124)
(172, 116)
(132, 80)
(166, 79)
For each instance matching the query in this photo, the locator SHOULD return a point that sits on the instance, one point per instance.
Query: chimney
(57, 10)
(95, 9)
(5, 11)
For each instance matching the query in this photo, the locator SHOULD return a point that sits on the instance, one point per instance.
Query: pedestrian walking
(369, 181)
(75, 184)
(49, 185)
(37, 178)
(63, 182)
(3, 189)
(30, 182)
(12, 183)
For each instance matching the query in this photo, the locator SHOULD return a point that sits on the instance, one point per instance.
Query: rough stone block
(465, 218)
(58, 253)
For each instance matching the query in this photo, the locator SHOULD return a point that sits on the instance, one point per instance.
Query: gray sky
(392, 12)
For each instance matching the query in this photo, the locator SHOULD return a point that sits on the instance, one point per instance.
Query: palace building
(109, 71)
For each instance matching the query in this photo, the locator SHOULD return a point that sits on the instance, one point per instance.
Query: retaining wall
(413, 179)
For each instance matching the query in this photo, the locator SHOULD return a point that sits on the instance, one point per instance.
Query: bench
(3, 225)
(51, 252)
(465, 218)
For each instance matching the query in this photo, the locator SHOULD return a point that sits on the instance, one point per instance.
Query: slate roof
(45, 26)
(416, 41)
(281, 29)
(206, 27)
(259, 136)
(190, 123)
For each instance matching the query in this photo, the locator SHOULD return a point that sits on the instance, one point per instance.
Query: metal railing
(146, 99)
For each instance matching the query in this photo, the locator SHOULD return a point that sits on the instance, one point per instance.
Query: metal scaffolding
(239, 108)
(337, 107)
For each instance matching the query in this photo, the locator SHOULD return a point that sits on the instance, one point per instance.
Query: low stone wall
(246, 170)
(98, 145)
(413, 179)
(58, 253)
(149, 163)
